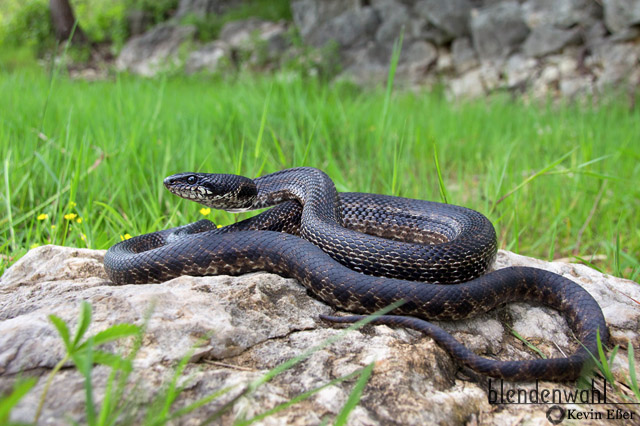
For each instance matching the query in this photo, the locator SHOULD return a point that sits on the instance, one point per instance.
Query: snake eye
(191, 180)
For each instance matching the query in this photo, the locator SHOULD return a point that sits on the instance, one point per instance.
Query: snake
(360, 253)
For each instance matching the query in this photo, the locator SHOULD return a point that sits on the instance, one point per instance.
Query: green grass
(556, 180)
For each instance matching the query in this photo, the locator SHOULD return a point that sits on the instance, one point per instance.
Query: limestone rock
(621, 14)
(520, 71)
(208, 58)
(544, 40)
(451, 16)
(321, 21)
(463, 56)
(561, 13)
(238, 34)
(394, 16)
(498, 30)
(155, 50)
(371, 64)
(615, 63)
(468, 85)
(257, 321)
(204, 7)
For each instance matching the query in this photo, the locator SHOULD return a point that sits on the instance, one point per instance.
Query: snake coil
(361, 253)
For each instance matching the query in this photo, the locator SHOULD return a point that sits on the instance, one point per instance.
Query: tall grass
(557, 180)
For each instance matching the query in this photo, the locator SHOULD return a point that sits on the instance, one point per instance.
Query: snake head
(232, 193)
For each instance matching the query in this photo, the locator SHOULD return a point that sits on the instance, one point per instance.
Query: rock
(394, 18)
(350, 29)
(444, 64)
(255, 322)
(238, 34)
(478, 81)
(468, 85)
(544, 40)
(310, 15)
(156, 50)
(561, 13)
(594, 34)
(415, 61)
(576, 86)
(371, 64)
(498, 30)
(450, 16)
(204, 7)
(421, 29)
(209, 58)
(463, 56)
(621, 14)
(613, 63)
(519, 71)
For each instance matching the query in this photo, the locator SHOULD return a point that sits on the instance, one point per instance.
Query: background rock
(544, 40)
(498, 29)
(473, 47)
(208, 58)
(451, 16)
(258, 321)
(561, 13)
(204, 7)
(156, 50)
(620, 14)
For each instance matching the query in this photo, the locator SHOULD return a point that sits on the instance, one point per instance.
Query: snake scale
(361, 253)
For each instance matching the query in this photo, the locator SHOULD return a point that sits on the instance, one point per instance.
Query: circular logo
(555, 414)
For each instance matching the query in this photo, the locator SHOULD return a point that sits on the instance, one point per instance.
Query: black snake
(380, 248)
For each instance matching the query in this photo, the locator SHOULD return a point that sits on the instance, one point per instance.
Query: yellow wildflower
(83, 237)
(219, 226)
(43, 216)
(72, 204)
(53, 227)
(79, 220)
(125, 237)
(34, 245)
(205, 211)
(70, 216)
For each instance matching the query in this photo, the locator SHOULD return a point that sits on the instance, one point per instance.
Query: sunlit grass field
(83, 162)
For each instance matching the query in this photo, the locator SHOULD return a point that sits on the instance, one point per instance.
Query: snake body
(379, 248)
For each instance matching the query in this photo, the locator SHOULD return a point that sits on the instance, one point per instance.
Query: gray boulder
(238, 34)
(352, 28)
(498, 29)
(561, 13)
(204, 7)
(463, 56)
(545, 40)
(450, 16)
(256, 322)
(621, 14)
(615, 63)
(310, 15)
(421, 29)
(370, 65)
(209, 57)
(394, 17)
(156, 50)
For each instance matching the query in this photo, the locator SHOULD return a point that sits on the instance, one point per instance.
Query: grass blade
(63, 330)
(115, 332)
(20, 389)
(355, 395)
(443, 189)
(83, 323)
